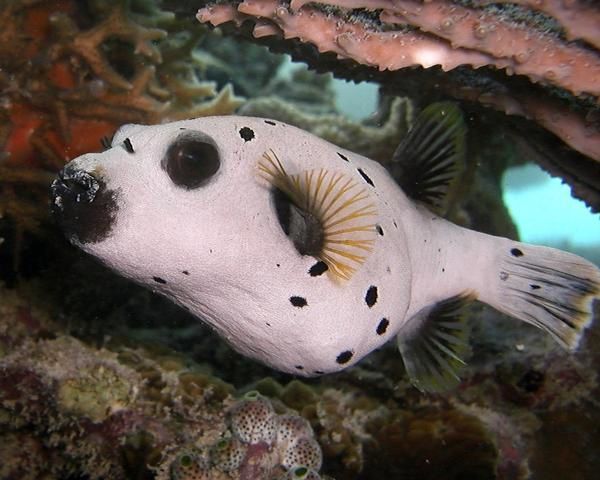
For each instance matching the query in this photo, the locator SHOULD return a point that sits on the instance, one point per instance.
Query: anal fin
(435, 343)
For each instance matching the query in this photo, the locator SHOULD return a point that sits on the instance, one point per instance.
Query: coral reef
(259, 444)
(90, 384)
(120, 411)
(527, 63)
(72, 72)
(114, 412)
(75, 71)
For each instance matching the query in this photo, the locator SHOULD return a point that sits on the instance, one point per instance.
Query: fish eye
(191, 160)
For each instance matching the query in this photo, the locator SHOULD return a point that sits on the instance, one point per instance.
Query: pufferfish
(306, 256)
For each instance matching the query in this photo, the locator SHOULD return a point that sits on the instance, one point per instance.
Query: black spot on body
(159, 280)
(382, 327)
(379, 230)
(371, 296)
(319, 372)
(515, 252)
(318, 268)
(299, 367)
(443, 269)
(185, 272)
(246, 133)
(298, 301)
(344, 357)
(395, 224)
(343, 157)
(269, 122)
(366, 177)
(535, 286)
(278, 265)
(128, 145)
(182, 128)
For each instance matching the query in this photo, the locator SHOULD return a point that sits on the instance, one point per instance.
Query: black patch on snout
(83, 206)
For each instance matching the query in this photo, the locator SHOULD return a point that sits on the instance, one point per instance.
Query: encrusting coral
(526, 61)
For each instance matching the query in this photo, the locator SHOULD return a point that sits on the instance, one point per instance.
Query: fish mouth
(82, 205)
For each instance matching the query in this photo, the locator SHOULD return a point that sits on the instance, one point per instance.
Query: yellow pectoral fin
(343, 210)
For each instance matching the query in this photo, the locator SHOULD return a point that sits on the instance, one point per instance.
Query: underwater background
(100, 378)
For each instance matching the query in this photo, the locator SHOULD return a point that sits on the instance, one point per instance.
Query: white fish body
(216, 245)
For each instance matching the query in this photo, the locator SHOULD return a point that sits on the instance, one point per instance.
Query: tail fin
(549, 288)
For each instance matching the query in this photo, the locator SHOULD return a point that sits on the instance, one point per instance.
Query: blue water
(545, 212)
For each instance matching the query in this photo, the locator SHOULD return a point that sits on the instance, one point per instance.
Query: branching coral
(86, 67)
(71, 73)
(526, 61)
(374, 141)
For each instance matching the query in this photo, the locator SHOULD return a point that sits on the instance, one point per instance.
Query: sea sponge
(259, 444)
(253, 420)
(302, 473)
(296, 445)
(189, 465)
(228, 454)
(304, 452)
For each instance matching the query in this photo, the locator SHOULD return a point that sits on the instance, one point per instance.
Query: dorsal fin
(435, 343)
(428, 162)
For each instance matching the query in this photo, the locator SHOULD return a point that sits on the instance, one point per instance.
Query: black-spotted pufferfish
(306, 256)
